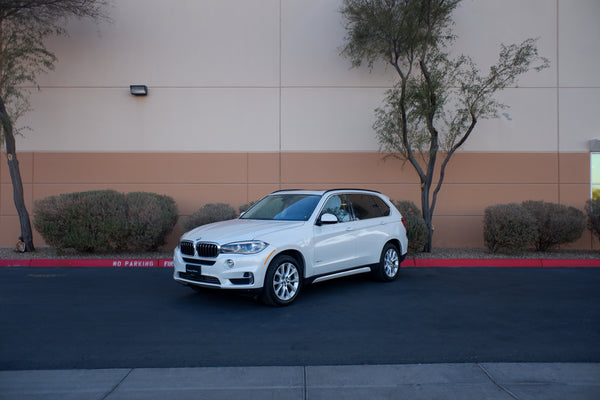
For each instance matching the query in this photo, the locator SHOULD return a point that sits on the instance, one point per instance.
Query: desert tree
(437, 99)
(24, 27)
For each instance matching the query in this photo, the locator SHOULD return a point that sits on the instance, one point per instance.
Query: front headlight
(247, 247)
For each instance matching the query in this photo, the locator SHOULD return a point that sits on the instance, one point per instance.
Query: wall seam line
(558, 157)
(280, 89)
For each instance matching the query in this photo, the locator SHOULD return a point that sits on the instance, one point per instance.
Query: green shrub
(407, 207)
(151, 217)
(84, 221)
(416, 232)
(416, 229)
(209, 213)
(510, 227)
(556, 224)
(105, 220)
(592, 209)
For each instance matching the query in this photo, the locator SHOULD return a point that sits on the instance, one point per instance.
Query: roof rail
(286, 190)
(362, 190)
(327, 191)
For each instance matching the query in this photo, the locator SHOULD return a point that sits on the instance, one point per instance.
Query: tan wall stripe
(473, 182)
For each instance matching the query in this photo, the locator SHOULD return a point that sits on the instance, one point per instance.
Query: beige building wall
(247, 97)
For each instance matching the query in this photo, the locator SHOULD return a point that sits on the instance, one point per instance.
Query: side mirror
(327, 219)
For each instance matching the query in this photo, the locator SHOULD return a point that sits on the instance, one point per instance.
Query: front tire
(388, 268)
(282, 281)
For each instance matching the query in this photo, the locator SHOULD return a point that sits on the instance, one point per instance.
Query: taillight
(403, 222)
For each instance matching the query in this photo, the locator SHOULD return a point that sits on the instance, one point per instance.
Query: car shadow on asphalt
(317, 292)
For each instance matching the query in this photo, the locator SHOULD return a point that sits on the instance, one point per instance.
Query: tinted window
(289, 207)
(382, 206)
(368, 206)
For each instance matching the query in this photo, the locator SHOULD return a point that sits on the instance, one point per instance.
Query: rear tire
(388, 268)
(282, 281)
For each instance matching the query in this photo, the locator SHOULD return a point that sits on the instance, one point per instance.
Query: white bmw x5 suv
(292, 238)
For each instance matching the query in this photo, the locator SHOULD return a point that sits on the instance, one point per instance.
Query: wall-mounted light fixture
(138, 90)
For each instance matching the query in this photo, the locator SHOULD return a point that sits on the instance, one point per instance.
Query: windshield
(286, 207)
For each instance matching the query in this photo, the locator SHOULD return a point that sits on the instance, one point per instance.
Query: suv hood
(239, 229)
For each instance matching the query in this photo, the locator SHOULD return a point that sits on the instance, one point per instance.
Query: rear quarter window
(381, 205)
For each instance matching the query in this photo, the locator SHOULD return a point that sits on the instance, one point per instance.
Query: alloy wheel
(286, 281)
(391, 263)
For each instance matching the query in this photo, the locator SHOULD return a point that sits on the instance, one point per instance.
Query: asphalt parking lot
(72, 318)
(437, 333)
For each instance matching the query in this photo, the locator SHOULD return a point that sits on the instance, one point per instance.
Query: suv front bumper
(226, 271)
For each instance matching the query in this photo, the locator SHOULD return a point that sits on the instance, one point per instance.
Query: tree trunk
(427, 216)
(15, 177)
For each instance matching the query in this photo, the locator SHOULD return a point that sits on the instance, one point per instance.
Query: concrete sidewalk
(492, 381)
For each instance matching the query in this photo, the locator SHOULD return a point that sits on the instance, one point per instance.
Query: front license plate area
(193, 269)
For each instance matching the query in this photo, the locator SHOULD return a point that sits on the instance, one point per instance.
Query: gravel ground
(530, 254)
(166, 253)
(51, 253)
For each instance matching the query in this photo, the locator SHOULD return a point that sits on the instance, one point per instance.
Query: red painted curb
(505, 263)
(570, 263)
(472, 262)
(409, 262)
(113, 263)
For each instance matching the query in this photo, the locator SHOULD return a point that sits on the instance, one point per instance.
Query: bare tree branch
(24, 26)
(435, 106)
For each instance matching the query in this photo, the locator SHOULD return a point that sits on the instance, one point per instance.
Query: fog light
(230, 263)
(250, 277)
